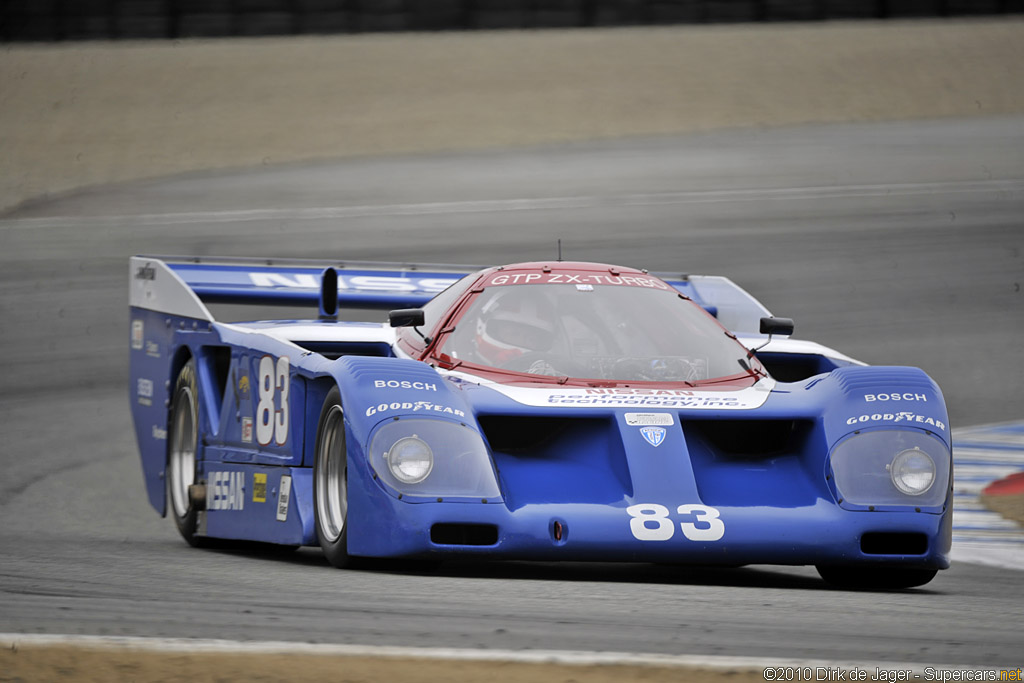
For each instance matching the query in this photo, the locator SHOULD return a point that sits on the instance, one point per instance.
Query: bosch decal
(897, 417)
(895, 397)
(403, 384)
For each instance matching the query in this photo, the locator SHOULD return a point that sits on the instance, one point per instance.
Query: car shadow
(749, 576)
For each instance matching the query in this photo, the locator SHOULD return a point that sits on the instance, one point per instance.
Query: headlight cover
(891, 467)
(433, 458)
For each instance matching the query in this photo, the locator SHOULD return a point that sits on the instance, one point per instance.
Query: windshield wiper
(743, 364)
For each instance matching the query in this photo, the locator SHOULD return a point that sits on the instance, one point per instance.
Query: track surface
(897, 243)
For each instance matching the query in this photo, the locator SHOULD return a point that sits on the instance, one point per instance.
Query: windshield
(605, 332)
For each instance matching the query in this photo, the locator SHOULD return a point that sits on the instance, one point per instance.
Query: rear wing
(184, 285)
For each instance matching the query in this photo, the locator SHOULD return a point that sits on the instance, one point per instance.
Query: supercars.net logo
(839, 673)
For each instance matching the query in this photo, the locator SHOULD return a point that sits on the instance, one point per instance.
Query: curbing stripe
(982, 455)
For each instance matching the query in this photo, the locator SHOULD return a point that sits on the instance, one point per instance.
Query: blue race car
(543, 411)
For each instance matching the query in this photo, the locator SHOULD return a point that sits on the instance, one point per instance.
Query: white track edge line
(565, 657)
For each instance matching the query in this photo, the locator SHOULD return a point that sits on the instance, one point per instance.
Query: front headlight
(410, 459)
(433, 458)
(912, 471)
(891, 467)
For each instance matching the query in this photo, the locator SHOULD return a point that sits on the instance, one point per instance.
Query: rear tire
(868, 578)
(330, 483)
(182, 445)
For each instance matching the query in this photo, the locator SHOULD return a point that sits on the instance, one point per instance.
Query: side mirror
(783, 326)
(407, 317)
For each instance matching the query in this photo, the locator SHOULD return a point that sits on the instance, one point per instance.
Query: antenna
(559, 250)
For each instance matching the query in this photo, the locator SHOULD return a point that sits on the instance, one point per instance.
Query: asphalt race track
(897, 243)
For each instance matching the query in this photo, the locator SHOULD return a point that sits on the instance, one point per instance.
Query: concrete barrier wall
(56, 20)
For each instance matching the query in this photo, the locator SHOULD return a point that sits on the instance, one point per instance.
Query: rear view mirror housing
(407, 317)
(773, 325)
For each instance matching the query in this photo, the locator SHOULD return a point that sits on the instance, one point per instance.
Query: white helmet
(517, 321)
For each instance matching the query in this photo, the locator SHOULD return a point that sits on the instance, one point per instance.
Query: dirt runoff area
(109, 665)
(75, 115)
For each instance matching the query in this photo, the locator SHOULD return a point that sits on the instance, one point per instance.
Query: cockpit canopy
(580, 321)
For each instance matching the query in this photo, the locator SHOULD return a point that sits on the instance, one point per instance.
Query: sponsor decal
(259, 488)
(225, 491)
(413, 407)
(353, 282)
(897, 417)
(895, 397)
(159, 433)
(580, 279)
(243, 384)
(144, 391)
(403, 384)
(146, 272)
(246, 430)
(152, 349)
(649, 419)
(737, 399)
(584, 288)
(653, 435)
(283, 497)
(137, 334)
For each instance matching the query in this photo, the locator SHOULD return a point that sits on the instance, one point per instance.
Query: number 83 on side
(651, 522)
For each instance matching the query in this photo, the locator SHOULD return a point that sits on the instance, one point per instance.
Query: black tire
(182, 445)
(330, 483)
(875, 578)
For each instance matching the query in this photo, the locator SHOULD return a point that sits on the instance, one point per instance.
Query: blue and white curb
(982, 455)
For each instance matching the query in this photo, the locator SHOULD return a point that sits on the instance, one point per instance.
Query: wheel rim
(183, 450)
(331, 483)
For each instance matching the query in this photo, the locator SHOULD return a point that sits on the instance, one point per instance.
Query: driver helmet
(512, 323)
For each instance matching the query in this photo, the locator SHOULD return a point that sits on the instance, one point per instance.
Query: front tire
(330, 482)
(875, 578)
(181, 453)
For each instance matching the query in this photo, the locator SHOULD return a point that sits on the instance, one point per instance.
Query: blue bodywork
(576, 482)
